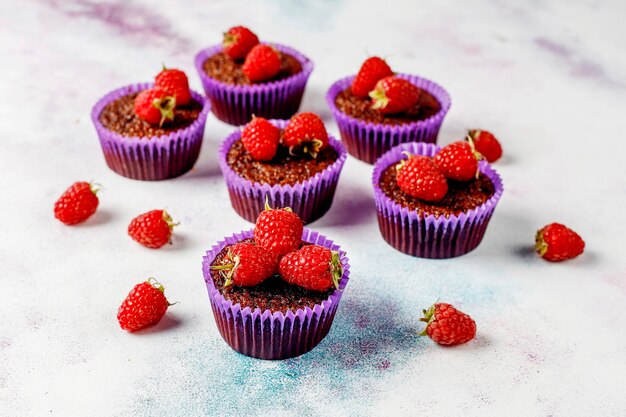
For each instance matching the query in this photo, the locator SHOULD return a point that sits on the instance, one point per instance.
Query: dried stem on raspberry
(540, 244)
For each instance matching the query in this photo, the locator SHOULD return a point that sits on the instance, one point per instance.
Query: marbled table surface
(548, 77)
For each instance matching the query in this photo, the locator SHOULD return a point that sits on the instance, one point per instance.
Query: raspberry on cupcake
(243, 77)
(152, 131)
(377, 109)
(275, 289)
(291, 163)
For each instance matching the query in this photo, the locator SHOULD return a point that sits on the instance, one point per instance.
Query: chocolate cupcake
(368, 132)
(304, 183)
(139, 150)
(235, 98)
(451, 227)
(272, 320)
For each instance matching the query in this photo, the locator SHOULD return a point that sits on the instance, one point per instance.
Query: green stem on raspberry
(168, 219)
(402, 163)
(380, 99)
(166, 106)
(267, 203)
(95, 187)
(429, 315)
(156, 284)
(229, 39)
(336, 268)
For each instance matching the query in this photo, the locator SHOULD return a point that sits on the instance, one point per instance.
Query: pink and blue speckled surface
(548, 78)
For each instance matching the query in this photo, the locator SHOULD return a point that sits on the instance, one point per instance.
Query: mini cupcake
(275, 290)
(151, 131)
(286, 163)
(377, 110)
(242, 77)
(434, 207)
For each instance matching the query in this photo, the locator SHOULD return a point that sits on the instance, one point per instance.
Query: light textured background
(547, 77)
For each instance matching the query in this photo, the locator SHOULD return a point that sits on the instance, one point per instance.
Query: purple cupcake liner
(155, 158)
(309, 199)
(367, 141)
(431, 236)
(278, 335)
(235, 104)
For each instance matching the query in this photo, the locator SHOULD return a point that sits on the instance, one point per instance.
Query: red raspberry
(372, 70)
(238, 41)
(394, 95)
(155, 106)
(556, 242)
(306, 133)
(247, 265)
(448, 326)
(486, 143)
(144, 306)
(175, 83)
(262, 63)
(152, 229)
(457, 161)
(419, 177)
(313, 268)
(260, 138)
(278, 230)
(77, 203)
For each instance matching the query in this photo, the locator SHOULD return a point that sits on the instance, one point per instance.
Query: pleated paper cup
(267, 334)
(236, 104)
(367, 141)
(309, 199)
(429, 236)
(150, 158)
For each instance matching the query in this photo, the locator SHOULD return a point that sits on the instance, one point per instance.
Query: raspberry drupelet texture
(260, 138)
(152, 229)
(556, 242)
(247, 265)
(305, 133)
(448, 326)
(419, 177)
(371, 71)
(457, 161)
(77, 203)
(144, 306)
(312, 267)
(175, 83)
(278, 230)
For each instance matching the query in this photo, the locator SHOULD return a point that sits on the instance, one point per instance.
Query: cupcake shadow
(179, 241)
(101, 216)
(349, 208)
(369, 334)
(168, 323)
(314, 101)
(207, 164)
